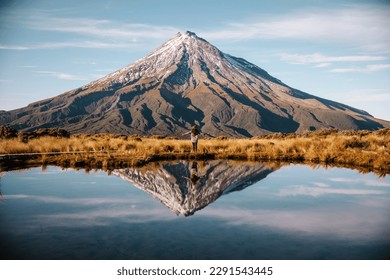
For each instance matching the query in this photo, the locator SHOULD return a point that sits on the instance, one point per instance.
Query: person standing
(194, 137)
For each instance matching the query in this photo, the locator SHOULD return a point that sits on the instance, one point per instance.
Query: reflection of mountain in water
(186, 187)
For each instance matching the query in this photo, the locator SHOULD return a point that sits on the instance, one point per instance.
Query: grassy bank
(364, 149)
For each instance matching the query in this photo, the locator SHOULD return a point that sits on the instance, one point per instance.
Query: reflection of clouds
(382, 202)
(347, 222)
(379, 182)
(87, 212)
(318, 191)
(92, 211)
(363, 212)
(70, 200)
(104, 217)
(357, 218)
(39, 170)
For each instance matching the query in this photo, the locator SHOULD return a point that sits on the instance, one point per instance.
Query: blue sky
(339, 50)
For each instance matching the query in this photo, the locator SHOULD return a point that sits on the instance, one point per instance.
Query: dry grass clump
(369, 149)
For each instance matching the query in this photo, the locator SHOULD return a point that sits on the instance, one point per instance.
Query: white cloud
(319, 60)
(101, 28)
(62, 76)
(321, 65)
(97, 37)
(85, 32)
(372, 99)
(79, 44)
(91, 44)
(323, 60)
(29, 66)
(16, 48)
(367, 69)
(360, 26)
(363, 26)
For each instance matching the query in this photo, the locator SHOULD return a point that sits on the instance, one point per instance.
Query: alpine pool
(195, 210)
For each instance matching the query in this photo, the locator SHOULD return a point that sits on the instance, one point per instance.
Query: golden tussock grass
(370, 149)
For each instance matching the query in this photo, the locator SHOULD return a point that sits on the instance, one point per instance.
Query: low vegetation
(358, 149)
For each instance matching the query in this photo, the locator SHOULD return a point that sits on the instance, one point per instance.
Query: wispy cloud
(372, 99)
(102, 28)
(325, 60)
(319, 60)
(29, 66)
(367, 69)
(61, 75)
(367, 95)
(90, 44)
(13, 47)
(360, 25)
(94, 33)
(321, 65)
(364, 25)
(85, 32)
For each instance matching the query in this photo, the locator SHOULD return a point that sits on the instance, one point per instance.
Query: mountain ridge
(188, 81)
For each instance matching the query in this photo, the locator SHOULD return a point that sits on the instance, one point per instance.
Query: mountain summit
(188, 81)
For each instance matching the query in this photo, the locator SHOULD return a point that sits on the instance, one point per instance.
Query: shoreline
(114, 163)
(368, 151)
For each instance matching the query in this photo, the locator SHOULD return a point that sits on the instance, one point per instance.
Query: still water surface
(195, 210)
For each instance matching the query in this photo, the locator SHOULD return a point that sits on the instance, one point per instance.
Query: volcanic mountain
(184, 82)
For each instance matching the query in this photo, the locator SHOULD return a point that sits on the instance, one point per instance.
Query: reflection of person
(194, 137)
(194, 176)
